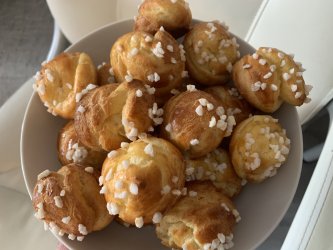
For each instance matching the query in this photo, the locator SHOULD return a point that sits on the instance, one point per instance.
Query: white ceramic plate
(261, 206)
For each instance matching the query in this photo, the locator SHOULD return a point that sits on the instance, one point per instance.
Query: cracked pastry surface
(233, 102)
(204, 219)
(70, 150)
(142, 180)
(69, 201)
(195, 122)
(157, 60)
(174, 16)
(270, 77)
(112, 114)
(60, 79)
(210, 53)
(217, 168)
(258, 148)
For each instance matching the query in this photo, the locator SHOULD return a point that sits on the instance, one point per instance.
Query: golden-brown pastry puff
(195, 122)
(68, 201)
(142, 180)
(105, 74)
(112, 114)
(270, 77)
(210, 53)
(155, 60)
(258, 148)
(234, 103)
(217, 168)
(204, 219)
(174, 15)
(61, 79)
(70, 150)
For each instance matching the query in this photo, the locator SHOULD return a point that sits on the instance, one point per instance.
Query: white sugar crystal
(176, 192)
(255, 56)
(112, 208)
(82, 229)
(293, 87)
(149, 150)
(280, 55)
(139, 222)
(262, 61)
(89, 170)
(226, 208)
(298, 95)
(286, 76)
(138, 93)
(71, 236)
(158, 50)
(283, 63)
(80, 238)
(40, 187)
(199, 110)
(274, 87)
(112, 154)
(49, 75)
(118, 184)
(170, 48)
(212, 122)
(168, 127)
(134, 189)
(210, 106)
(44, 174)
(66, 220)
(166, 189)
(268, 75)
(148, 39)
(128, 78)
(58, 201)
(121, 195)
(272, 67)
(109, 175)
(194, 142)
(190, 88)
(103, 190)
(101, 180)
(157, 217)
(124, 144)
(220, 111)
(62, 193)
(203, 102)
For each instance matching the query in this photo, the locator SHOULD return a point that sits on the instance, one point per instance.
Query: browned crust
(195, 221)
(82, 200)
(149, 173)
(186, 125)
(217, 168)
(66, 139)
(212, 71)
(67, 69)
(146, 63)
(232, 100)
(101, 126)
(262, 145)
(176, 17)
